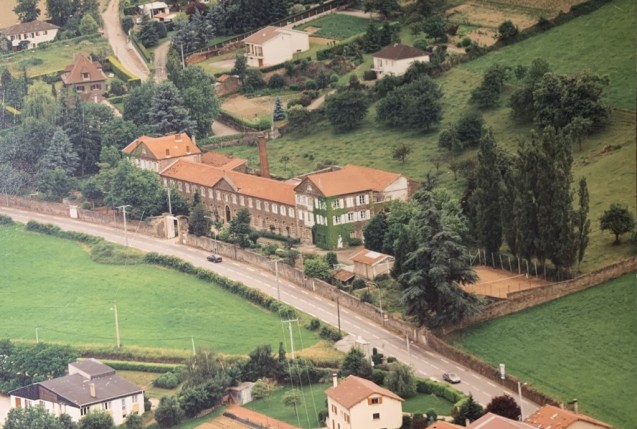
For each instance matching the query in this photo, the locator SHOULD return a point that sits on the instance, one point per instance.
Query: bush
(117, 87)
(276, 81)
(114, 254)
(311, 84)
(167, 380)
(5, 220)
(329, 333)
(507, 31)
(314, 324)
(50, 229)
(358, 284)
(369, 75)
(169, 413)
(465, 42)
(366, 296)
(378, 376)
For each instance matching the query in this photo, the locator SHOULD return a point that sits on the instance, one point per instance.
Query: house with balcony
(359, 403)
(334, 206)
(157, 153)
(90, 386)
(85, 77)
(30, 34)
(394, 60)
(273, 45)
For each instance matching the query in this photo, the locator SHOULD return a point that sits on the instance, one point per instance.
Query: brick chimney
(263, 156)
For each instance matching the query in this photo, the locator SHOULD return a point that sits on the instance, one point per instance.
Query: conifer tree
(487, 195)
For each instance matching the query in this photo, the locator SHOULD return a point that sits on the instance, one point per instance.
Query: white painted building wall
(34, 38)
(385, 66)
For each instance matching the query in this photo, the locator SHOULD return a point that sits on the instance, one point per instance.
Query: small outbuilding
(241, 394)
(369, 264)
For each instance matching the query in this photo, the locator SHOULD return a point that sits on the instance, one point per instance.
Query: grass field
(602, 42)
(51, 58)
(581, 346)
(314, 401)
(52, 284)
(336, 26)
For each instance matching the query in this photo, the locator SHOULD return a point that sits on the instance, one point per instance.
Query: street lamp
(214, 232)
(123, 208)
(276, 271)
(521, 405)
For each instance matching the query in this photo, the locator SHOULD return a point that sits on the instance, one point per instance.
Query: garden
(335, 26)
(578, 346)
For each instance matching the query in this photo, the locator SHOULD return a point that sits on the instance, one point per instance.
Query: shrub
(117, 87)
(366, 296)
(507, 31)
(311, 84)
(110, 253)
(329, 333)
(466, 41)
(169, 413)
(369, 75)
(5, 220)
(276, 81)
(421, 44)
(358, 284)
(167, 380)
(378, 376)
(314, 324)
(50, 229)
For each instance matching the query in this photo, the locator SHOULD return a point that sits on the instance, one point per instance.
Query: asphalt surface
(122, 47)
(425, 363)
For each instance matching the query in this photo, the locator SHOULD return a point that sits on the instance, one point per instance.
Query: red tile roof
(246, 184)
(400, 52)
(28, 27)
(263, 35)
(494, 421)
(353, 390)
(74, 73)
(369, 257)
(352, 179)
(222, 161)
(553, 417)
(444, 425)
(166, 147)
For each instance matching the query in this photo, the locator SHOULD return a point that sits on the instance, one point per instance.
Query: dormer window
(86, 76)
(187, 149)
(167, 152)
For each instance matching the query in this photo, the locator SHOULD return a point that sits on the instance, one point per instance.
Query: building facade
(85, 77)
(31, 33)
(90, 386)
(358, 403)
(157, 153)
(274, 45)
(394, 60)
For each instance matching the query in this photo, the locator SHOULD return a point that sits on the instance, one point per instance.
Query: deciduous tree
(618, 220)
(240, 228)
(375, 231)
(167, 112)
(31, 418)
(504, 406)
(97, 420)
(401, 380)
(346, 110)
(356, 363)
(27, 10)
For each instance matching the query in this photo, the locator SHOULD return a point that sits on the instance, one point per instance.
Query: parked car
(451, 377)
(215, 258)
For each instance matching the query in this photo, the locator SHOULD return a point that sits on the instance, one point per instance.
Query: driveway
(159, 60)
(122, 47)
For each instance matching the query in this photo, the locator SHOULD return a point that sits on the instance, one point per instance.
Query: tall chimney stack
(92, 390)
(263, 156)
(334, 379)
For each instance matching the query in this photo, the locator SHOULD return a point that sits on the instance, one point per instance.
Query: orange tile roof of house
(369, 257)
(494, 421)
(343, 275)
(222, 161)
(28, 27)
(353, 390)
(246, 184)
(73, 73)
(352, 179)
(263, 35)
(443, 425)
(552, 417)
(165, 147)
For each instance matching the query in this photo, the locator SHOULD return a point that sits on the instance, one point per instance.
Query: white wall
(396, 67)
(390, 411)
(280, 48)
(35, 38)
(398, 189)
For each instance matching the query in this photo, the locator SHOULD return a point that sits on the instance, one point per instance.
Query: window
(361, 215)
(266, 206)
(258, 202)
(376, 416)
(79, 88)
(334, 409)
(167, 152)
(337, 220)
(291, 213)
(283, 210)
(84, 411)
(361, 199)
(96, 87)
(346, 417)
(275, 209)
(106, 405)
(336, 204)
(350, 217)
(375, 401)
(234, 199)
(250, 202)
(210, 195)
(225, 197)
(219, 195)
(135, 399)
(179, 186)
(241, 201)
(187, 188)
(349, 202)
(86, 76)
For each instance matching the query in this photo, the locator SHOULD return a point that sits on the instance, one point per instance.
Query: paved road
(159, 60)
(123, 49)
(425, 362)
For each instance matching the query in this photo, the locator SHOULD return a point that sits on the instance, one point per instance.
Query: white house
(369, 264)
(357, 403)
(90, 386)
(395, 59)
(274, 45)
(153, 8)
(35, 32)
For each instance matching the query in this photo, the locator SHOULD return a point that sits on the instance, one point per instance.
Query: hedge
(439, 389)
(5, 220)
(252, 295)
(262, 125)
(273, 236)
(141, 48)
(43, 76)
(282, 65)
(118, 99)
(122, 73)
(50, 229)
(141, 366)
(219, 139)
(12, 110)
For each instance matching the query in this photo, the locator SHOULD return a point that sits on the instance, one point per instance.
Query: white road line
(445, 361)
(491, 384)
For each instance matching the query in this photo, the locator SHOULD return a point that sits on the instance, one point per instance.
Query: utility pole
(278, 286)
(170, 206)
(192, 339)
(338, 313)
(289, 322)
(408, 348)
(123, 208)
(116, 326)
(37, 338)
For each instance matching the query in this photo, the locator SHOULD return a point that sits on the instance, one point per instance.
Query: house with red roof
(273, 45)
(334, 206)
(394, 60)
(85, 77)
(270, 202)
(157, 153)
(552, 417)
(359, 403)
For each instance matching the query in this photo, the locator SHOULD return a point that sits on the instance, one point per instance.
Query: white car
(451, 377)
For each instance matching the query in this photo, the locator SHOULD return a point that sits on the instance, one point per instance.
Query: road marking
(491, 384)
(474, 376)
(445, 361)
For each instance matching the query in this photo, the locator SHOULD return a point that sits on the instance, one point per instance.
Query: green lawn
(53, 57)
(336, 26)
(314, 401)
(52, 284)
(581, 346)
(602, 42)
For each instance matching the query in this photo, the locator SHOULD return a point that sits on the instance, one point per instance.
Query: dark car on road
(215, 258)
(451, 377)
